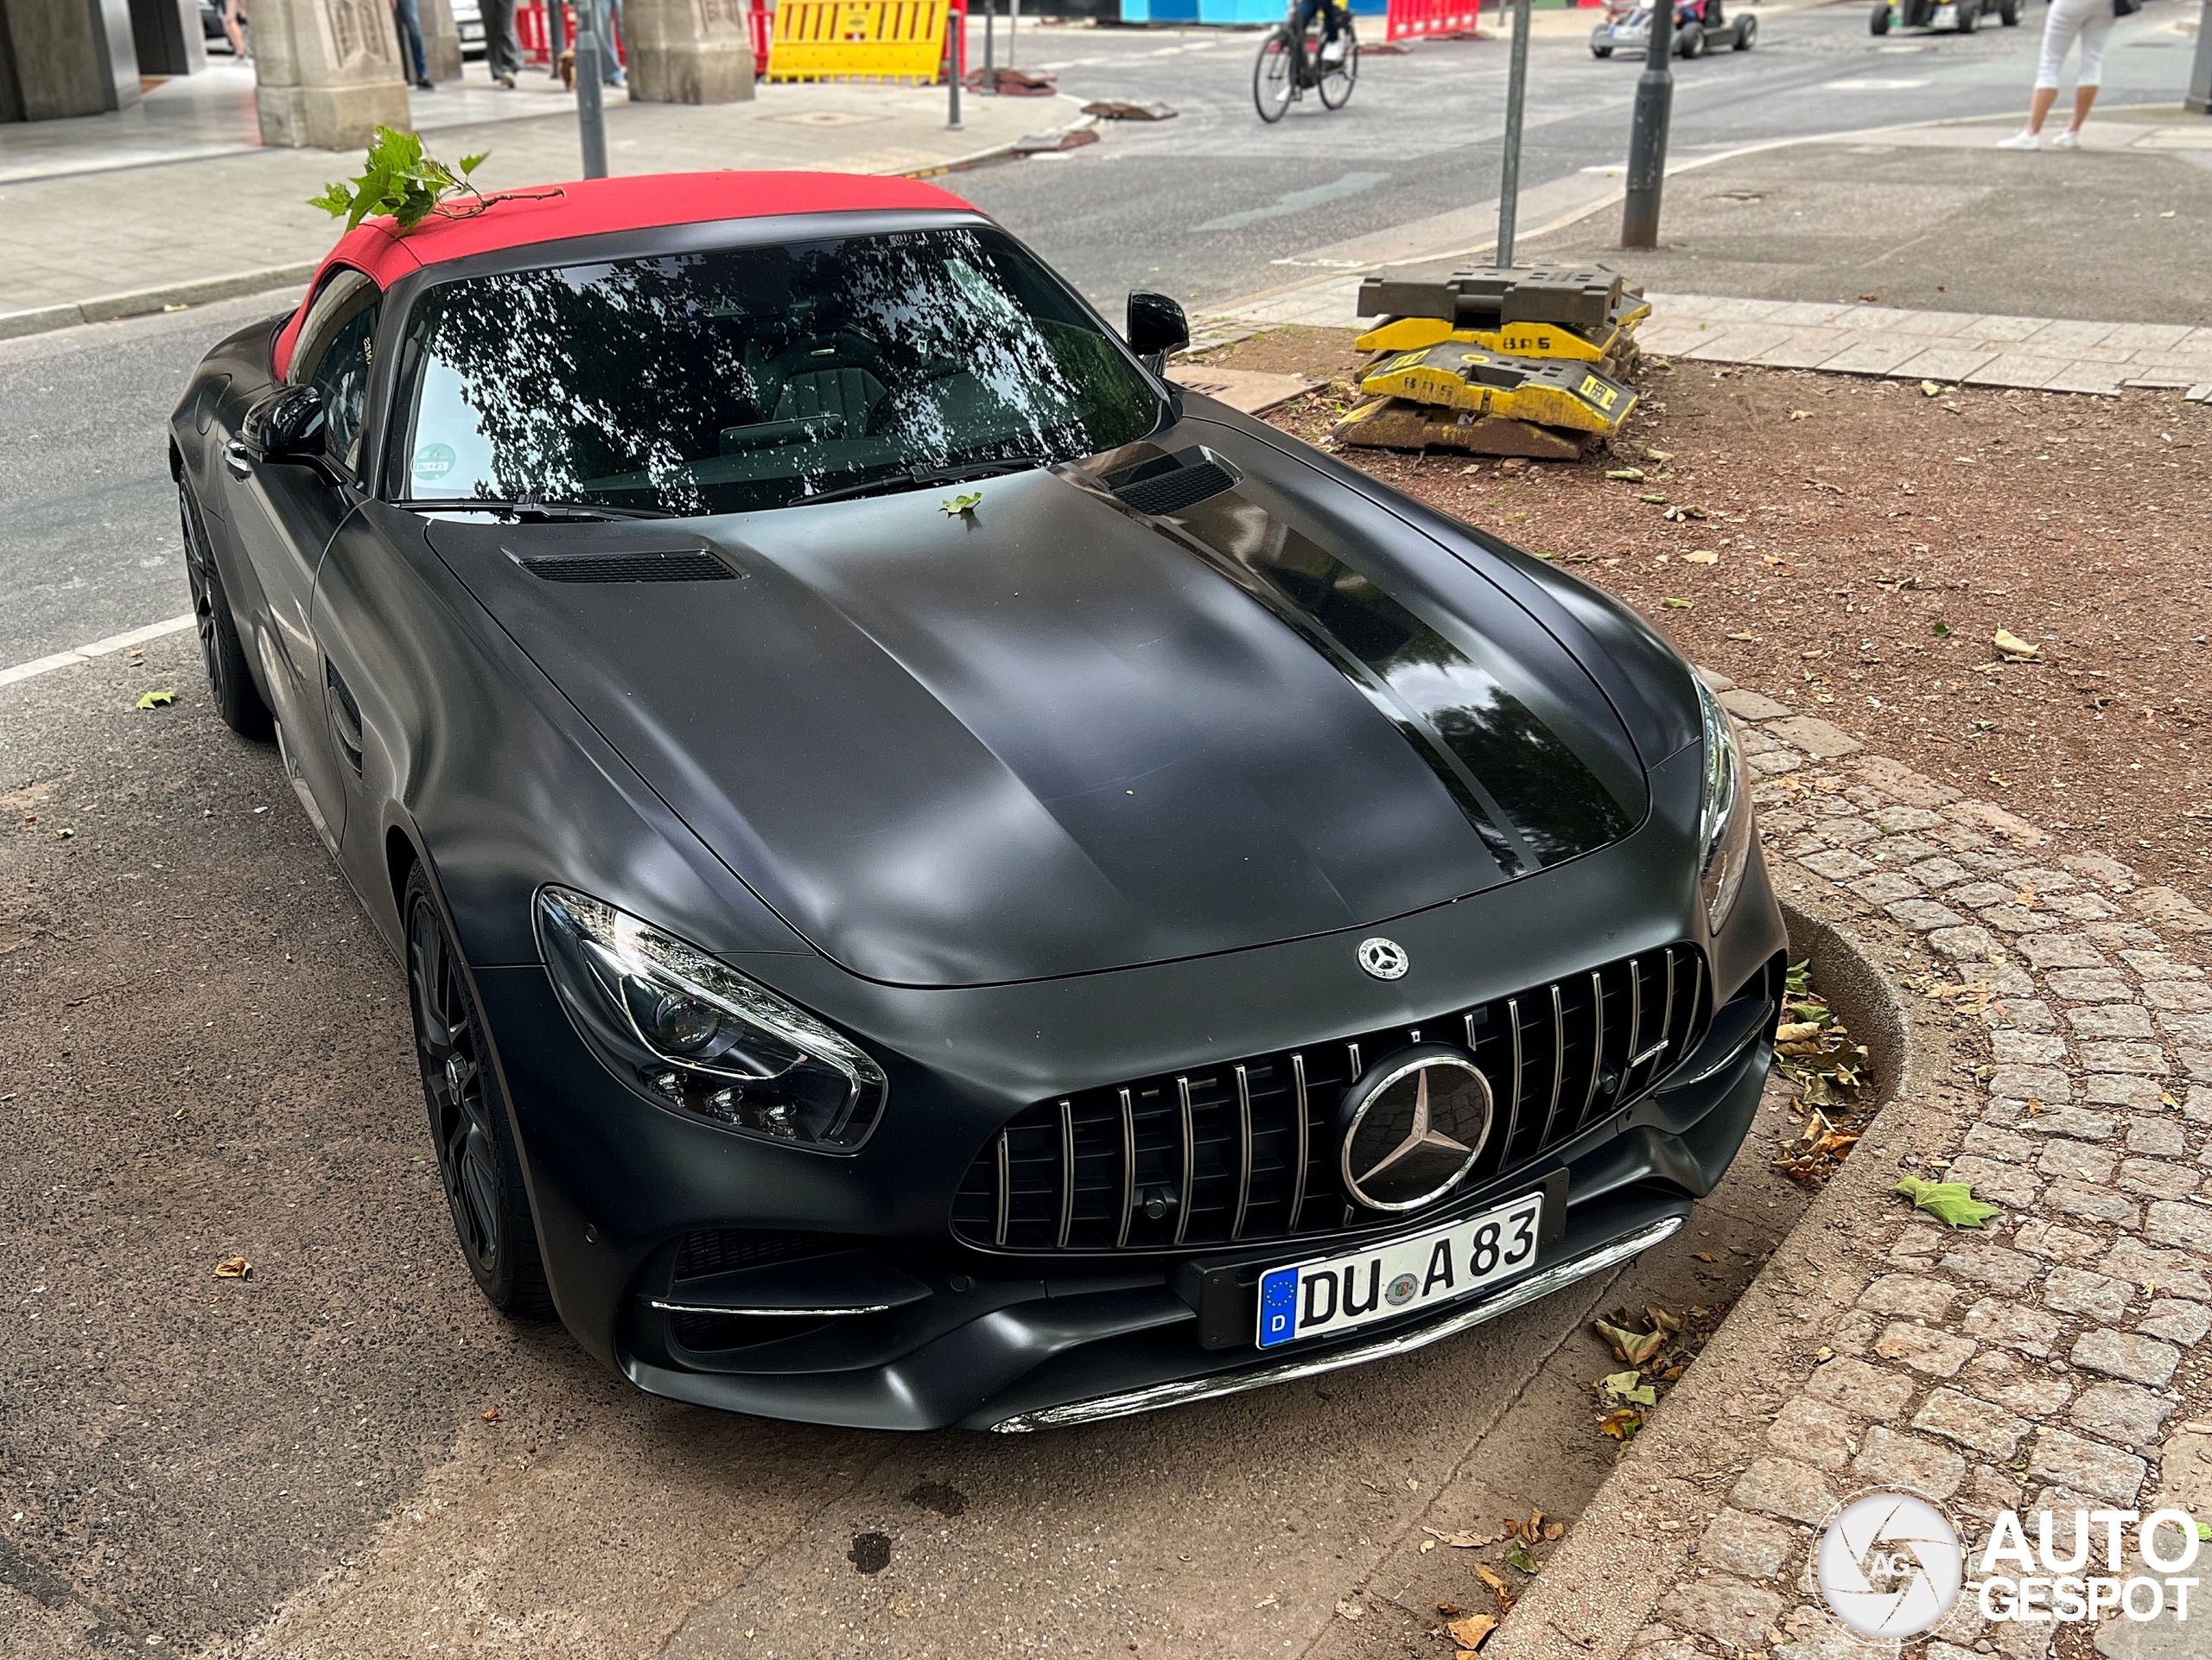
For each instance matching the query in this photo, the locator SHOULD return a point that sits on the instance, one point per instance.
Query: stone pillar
(71, 57)
(168, 37)
(441, 39)
(688, 51)
(2199, 96)
(327, 71)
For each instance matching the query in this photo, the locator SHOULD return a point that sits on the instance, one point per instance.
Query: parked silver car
(468, 19)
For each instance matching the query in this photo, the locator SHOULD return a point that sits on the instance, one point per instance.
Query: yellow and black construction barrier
(1550, 392)
(858, 39)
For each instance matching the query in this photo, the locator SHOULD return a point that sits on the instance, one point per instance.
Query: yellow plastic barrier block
(1550, 391)
(1514, 339)
(858, 39)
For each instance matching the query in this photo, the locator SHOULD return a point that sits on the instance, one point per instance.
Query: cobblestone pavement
(2053, 1358)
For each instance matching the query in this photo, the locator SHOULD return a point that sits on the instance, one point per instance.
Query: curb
(1594, 1597)
(177, 297)
(140, 302)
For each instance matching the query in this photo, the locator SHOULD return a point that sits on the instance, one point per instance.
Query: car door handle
(237, 458)
(344, 715)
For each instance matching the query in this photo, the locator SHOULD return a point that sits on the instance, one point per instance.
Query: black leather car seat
(851, 392)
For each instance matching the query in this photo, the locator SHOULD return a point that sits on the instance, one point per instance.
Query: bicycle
(1292, 60)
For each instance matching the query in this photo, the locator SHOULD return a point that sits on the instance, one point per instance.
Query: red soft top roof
(595, 206)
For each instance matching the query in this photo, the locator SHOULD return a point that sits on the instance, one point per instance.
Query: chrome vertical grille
(1242, 1150)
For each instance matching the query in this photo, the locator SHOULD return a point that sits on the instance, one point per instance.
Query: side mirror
(287, 426)
(1157, 327)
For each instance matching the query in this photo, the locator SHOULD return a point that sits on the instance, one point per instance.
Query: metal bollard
(955, 18)
(1647, 138)
(591, 115)
(1517, 98)
(2199, 97)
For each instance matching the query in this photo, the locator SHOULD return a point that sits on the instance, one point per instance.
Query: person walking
(502, 47)
(2090, 22)
(410, 22)
(234, 28)
(609, 13)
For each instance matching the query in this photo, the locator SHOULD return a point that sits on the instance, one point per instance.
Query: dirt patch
(1869, 540)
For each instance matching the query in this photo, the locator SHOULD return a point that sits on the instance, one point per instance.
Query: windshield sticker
(433, 461)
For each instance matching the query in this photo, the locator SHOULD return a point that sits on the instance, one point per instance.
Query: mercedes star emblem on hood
(1412, 1128)
(1385, 959)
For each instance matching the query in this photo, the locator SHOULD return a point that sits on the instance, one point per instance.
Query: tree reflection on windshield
(753, 378)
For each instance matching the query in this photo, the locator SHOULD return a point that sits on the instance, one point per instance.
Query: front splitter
(1517, 1295)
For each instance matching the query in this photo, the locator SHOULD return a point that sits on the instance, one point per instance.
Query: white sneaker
(2020, 141)
(2067, 140)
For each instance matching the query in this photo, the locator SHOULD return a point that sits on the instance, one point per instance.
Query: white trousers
(2091, 21)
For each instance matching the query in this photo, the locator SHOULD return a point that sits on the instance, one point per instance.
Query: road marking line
(97, 648)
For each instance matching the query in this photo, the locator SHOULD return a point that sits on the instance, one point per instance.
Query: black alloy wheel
(1339, 77)
(468, 1116)
(237, 699)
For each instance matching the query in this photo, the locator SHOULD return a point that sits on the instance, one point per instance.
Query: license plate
(1318, 1298)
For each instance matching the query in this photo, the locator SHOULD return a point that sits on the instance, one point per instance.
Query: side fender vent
(1175, 482)
(694, 566)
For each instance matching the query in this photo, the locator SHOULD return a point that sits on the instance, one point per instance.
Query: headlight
(1724, 825)
(700, 1036)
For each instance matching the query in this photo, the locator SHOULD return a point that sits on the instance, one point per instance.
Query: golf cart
(1699, 28)
(1960, 14)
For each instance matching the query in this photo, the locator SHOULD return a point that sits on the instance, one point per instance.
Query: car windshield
(757, 378)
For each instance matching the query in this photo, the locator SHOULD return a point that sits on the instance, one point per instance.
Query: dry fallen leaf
(1461, 1541)
(2011, 645)
(1473, 1631)
(1800, 415)
(1930, 389)
(1701, 556)
(1498, 1587)
(492, 1414)
(1555, 1530)
(234, 1268)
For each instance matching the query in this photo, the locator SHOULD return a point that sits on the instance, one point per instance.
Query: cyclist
(1333, 16)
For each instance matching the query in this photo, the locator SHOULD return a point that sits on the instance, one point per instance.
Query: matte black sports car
(942, 879)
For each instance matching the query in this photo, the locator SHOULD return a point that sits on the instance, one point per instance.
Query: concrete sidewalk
(215, 215)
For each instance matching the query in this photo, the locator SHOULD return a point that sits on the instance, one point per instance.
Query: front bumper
(859, 1307)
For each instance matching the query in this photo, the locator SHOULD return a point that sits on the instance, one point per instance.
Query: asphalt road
(1214, 206)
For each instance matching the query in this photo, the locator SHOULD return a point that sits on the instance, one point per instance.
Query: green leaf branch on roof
(398, 179)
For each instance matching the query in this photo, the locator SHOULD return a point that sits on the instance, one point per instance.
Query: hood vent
(695, 565)
(1175, 482)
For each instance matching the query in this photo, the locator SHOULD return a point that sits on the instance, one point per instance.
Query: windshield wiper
(531, 507)
(915, 477)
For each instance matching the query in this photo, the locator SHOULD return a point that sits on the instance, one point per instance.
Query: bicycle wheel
(1275, 77)
(1339, 74)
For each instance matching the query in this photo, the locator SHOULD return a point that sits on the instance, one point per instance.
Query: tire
(1275, 76)
(469, 1129)
(230, 678)
(1690, 43)
(1747, 30)
(1880, 23)
(1601, 52)
(2008, 13)
(1338, 79)
(1969, 16)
